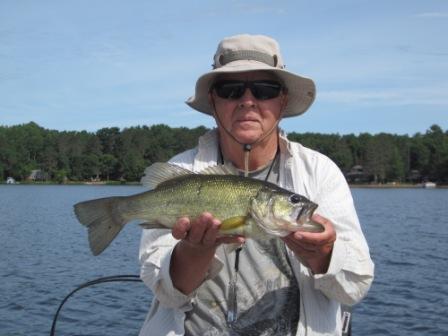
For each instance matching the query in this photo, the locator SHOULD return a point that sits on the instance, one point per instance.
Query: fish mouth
(305, 213)
(304, 221)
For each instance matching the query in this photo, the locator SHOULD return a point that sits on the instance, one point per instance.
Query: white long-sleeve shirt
(303, 171)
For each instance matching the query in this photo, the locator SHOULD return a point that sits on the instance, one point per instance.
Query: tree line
(122, 155)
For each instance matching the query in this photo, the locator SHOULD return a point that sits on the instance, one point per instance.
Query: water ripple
(45, 255)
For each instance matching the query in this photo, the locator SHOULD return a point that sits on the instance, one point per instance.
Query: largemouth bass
(245, 206)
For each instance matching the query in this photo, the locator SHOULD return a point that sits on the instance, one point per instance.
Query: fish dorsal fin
(219, 170)
(160, 172)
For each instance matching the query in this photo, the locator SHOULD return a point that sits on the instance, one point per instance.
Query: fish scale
(194, 194)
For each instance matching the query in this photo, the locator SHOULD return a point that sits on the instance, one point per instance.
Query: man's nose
(247, 99)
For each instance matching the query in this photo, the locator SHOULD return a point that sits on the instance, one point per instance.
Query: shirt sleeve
(350, 272)
(156, 248)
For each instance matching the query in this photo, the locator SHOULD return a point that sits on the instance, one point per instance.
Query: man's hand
(202, 232)
(313, 249)
(193, 254)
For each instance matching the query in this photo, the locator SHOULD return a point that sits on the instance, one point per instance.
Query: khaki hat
(242, 53)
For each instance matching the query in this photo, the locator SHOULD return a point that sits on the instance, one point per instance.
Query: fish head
(280, 212)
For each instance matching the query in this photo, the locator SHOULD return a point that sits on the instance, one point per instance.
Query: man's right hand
(194, 253)
(202, 232)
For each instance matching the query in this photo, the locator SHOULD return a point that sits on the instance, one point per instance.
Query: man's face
(248, 118)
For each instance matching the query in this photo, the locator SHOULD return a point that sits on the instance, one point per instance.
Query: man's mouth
(248, 119)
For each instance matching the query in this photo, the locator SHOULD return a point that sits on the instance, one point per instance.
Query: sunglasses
(235, 89)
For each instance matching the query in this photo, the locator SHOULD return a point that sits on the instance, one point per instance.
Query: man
(289, 286)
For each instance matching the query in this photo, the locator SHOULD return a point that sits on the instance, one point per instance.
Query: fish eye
(295, 198)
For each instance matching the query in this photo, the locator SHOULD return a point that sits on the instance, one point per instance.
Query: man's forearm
(189, 266)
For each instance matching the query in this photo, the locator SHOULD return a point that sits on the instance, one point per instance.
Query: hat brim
(301, 90)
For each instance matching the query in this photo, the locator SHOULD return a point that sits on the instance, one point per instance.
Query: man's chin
(247, 135)
(247, 126)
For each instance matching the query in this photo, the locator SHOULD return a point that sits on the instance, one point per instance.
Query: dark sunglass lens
(266, 90)
(230, 90)
(262, 90)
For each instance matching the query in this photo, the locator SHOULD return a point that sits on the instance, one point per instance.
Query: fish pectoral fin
(153, 225)
(233, 225)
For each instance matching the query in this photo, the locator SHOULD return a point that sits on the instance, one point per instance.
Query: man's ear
(210, 99)
(284, 102)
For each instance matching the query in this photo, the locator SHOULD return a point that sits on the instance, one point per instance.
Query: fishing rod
(346, 310)
(113, 278)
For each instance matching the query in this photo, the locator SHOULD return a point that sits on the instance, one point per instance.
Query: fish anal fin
(229, 248)
(153, 225)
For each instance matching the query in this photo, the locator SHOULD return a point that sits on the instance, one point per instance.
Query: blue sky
(379, 66)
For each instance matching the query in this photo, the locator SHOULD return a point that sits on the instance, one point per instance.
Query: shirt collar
(207, 154)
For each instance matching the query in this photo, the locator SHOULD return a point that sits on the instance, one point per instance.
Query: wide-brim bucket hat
(243, 53)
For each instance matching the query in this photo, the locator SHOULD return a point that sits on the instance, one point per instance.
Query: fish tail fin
(102, 222)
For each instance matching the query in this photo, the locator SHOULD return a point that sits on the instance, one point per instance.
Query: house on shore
(357, 175)
(37, 175)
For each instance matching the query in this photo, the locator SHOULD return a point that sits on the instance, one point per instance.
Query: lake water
(44, 255)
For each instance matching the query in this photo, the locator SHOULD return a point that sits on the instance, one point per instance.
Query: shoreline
(101, 183)
(395, 186)
(119, 183)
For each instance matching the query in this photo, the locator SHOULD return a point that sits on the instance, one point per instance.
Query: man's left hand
(311, 248)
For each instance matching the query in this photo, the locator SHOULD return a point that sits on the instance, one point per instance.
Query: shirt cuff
(339, 256)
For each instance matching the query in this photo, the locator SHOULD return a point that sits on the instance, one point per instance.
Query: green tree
(437, 143)
(377, 156)
(108, 138)
(108, 165)
(111, 153)
(133, 165)
(396, 167)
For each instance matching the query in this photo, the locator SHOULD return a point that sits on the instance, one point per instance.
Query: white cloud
(395, 97)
